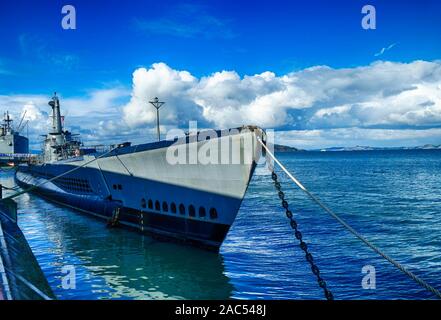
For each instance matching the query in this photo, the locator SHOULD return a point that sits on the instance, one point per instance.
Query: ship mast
(59, 143)
(55, 139)
(157, 104)
(7, 121)
(57, 129)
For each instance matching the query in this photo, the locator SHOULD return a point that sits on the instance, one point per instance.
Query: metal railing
(14, 250)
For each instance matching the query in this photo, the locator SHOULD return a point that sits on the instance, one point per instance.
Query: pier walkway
(21, 278)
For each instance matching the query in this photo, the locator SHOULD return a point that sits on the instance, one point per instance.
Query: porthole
(119, 187)
(202, 212)
(157, 206)
(173, 207)
(165, 206)
(181, 209)
(150, 204)
(213, 213)
(143, 203)
(191, 211)
(114, 187)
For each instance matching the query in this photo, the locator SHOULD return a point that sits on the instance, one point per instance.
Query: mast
(7, 121)
(21, 121)
(55, 139)
(157, 104)
(57, 128)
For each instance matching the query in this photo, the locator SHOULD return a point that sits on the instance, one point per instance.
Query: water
(391, 197)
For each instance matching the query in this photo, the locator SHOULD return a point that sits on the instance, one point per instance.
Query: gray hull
(13, 147)
(195, 203)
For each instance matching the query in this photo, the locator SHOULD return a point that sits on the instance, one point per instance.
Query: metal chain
(270, 156)
(315, 270)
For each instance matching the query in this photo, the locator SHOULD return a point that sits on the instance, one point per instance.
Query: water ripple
(393, 198)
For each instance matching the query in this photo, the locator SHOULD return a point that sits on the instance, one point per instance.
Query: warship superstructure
(13, 146)
(140, 188)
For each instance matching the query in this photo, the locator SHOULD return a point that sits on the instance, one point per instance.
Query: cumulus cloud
(317, 106)
(31, 114)
(324, 138)
(416, 107)
(165, 83)
(106, 101)
(383, 94)
(83, 114)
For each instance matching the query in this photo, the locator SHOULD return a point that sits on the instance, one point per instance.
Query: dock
(21, 277)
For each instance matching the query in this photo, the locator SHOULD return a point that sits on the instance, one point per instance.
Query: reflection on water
(391, 197)
(115, 263)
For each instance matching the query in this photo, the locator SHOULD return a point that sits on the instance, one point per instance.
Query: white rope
(57, 177)
(30, 285)
(4, 278)
(418, 280)
(2, 269)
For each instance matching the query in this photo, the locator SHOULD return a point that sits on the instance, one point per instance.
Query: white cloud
(163, 82)
(382, 94)
(82, 113)
(383, 50)
(325, 105)
(323, 138)
(416, 107)
(95, 101)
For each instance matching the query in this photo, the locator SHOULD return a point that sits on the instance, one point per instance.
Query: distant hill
(366, 148)
(283, 148)
(356, 148)
(429, 147)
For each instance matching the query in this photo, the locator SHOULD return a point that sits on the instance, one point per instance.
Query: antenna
(22, 118)
(23, 125)
(157, 104)
(7, 122)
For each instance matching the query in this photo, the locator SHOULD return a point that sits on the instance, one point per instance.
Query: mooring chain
(421, 282)
(315, 270)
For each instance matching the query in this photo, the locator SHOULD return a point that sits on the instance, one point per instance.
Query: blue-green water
(391, 197)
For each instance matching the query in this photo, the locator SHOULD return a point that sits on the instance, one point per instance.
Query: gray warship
(13, 146)
(136, 186)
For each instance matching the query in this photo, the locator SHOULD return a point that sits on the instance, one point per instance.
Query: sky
(307, 69)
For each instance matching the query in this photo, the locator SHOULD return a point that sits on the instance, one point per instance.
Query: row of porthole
(74, 184)
(181, 209)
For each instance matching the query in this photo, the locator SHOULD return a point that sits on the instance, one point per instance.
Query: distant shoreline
(284, 148)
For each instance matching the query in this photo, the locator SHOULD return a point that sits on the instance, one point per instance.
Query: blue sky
(95, 64)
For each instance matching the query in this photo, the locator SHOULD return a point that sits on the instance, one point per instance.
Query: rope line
(10, 188)
(22, 279)
(57, 177)
(29, 285)
(414, 277)
(4, 282)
